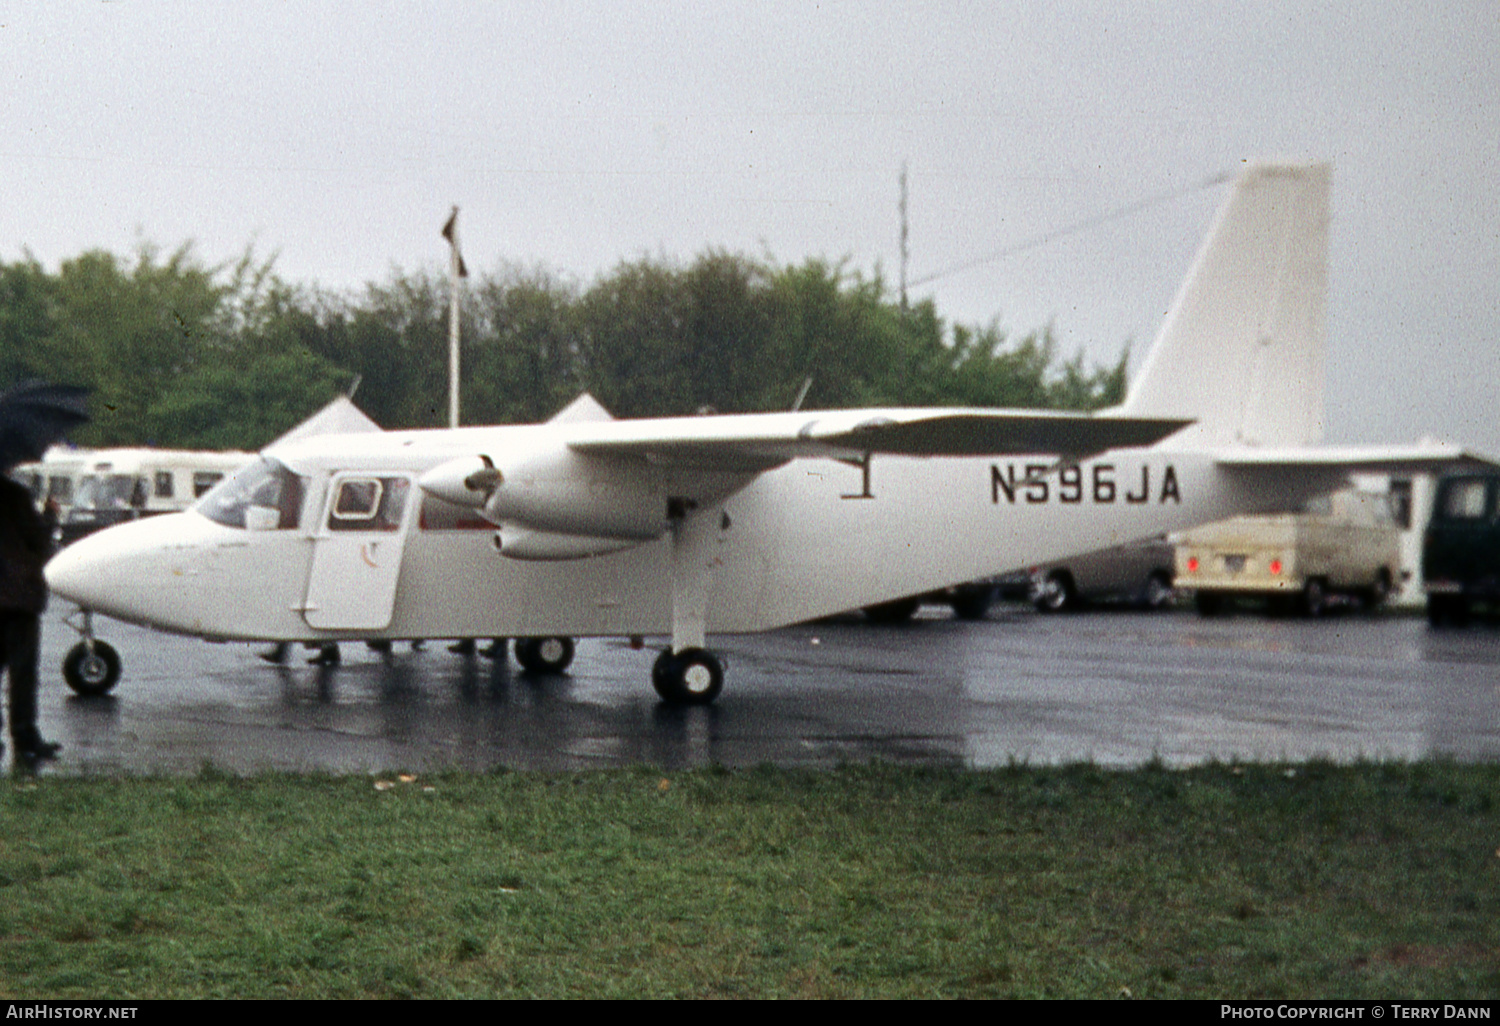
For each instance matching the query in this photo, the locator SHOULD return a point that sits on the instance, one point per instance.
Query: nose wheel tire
(92, 669)
(544, 655)
(693, 676)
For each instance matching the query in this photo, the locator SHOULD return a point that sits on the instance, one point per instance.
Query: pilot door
(356, 563)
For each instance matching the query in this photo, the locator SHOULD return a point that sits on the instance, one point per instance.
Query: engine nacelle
(557, 491)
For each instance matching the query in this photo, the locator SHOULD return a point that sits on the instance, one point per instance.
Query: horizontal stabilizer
(1413, 458)
(756, 442)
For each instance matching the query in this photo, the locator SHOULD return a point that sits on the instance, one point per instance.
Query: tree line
(186, 355)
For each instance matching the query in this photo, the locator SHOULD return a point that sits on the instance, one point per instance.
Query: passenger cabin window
(203, 480)
(1464, 499)
(369, 504)
(163, 488)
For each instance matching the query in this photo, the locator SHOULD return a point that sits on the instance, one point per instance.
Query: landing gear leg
(92, 667)
(687, 673)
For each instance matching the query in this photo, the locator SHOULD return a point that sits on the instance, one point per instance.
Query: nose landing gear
(91, 667)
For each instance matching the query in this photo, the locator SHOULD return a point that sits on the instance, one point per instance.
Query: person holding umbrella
(32, 417)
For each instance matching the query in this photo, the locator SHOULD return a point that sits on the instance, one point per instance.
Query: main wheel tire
(1056, 593)
(693, 676)
(92, 670)
(551, 655)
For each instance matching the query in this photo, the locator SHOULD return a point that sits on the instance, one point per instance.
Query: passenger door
(356, 563)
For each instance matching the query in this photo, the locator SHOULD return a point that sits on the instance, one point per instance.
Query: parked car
(969, 601)
(1340, 548)
(1138, 573)
(1461, 547)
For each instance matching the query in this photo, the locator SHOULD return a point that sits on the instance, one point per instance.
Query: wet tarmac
(1119, 689)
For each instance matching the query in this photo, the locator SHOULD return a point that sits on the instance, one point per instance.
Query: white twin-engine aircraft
(687, 526)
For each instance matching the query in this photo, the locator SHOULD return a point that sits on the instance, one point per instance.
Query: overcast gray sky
(576, 135)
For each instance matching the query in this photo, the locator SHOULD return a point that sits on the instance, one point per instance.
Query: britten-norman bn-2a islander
(587, 525)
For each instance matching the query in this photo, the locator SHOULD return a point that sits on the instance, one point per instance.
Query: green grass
(1227, 881)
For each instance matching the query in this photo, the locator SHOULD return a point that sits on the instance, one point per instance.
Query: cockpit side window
(266, 484)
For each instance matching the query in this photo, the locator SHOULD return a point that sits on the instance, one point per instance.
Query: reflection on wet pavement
(1118, 689)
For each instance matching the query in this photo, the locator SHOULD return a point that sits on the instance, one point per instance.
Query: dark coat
(25, 545)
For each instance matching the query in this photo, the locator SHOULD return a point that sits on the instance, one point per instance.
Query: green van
(1461, 550)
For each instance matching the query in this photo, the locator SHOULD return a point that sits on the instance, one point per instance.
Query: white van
(116, 485)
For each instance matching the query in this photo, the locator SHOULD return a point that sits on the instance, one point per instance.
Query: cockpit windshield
(265, 495)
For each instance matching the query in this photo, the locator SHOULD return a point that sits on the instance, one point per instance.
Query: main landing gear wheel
(92, 668)
(544, 655)
(693, 676)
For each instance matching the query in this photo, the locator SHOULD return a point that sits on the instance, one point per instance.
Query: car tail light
(1276, 567)
(1192, 564)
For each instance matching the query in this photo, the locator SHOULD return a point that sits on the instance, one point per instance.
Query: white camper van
(115, 485)
(53, 478)
(1340, 547)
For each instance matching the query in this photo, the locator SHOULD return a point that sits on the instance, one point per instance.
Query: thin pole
(456, 270)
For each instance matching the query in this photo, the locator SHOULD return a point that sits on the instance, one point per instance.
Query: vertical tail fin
(1241, 351)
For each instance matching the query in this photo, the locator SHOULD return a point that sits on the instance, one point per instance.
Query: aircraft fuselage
(788, 545)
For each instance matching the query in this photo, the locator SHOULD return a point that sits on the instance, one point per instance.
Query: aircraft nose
(112, 571)
(84, 573)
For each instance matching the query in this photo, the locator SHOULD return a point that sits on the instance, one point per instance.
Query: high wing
(752, 443)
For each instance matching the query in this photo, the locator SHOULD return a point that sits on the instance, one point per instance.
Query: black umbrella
(35, 414)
